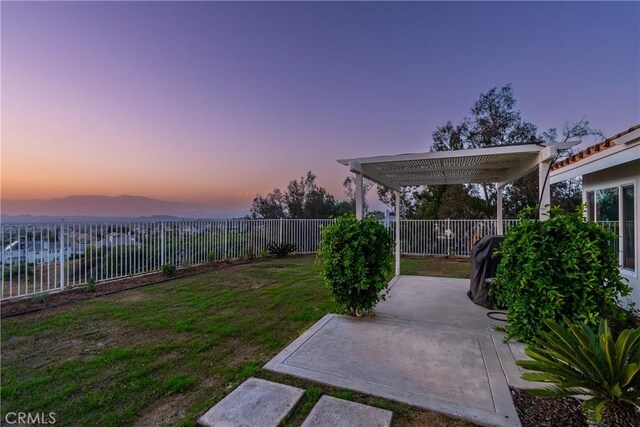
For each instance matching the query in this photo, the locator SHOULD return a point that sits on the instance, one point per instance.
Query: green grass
(439, 267)
(169, 350)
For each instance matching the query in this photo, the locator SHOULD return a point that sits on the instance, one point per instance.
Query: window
(607, 209)
(628, 228)
(607, 212)
(591, 207)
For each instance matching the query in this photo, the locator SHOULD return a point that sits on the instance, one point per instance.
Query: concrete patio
(428, 346)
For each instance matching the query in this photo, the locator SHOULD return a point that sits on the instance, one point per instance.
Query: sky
(212, 103)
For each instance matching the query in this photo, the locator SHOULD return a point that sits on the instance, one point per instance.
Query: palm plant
(580, 361)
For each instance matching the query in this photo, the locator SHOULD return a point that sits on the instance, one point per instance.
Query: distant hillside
(80, 207)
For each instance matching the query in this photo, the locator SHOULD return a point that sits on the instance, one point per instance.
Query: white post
(397, 233)
(226, 239)
(359, 196)
(162, 244)
(499, 213)
(544, 189)
(61, 254)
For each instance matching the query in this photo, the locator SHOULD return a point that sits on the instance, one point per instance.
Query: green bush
(91, 284)
(563, 266)
(356, 257)
(168, 270)
(211, 258)
(578, 360)
(280, 249)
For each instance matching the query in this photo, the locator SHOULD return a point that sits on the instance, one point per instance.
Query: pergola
(500, 165)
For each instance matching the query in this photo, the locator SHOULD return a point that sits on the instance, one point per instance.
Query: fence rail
(41, 258)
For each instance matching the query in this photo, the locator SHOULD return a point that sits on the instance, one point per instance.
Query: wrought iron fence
(41, 258)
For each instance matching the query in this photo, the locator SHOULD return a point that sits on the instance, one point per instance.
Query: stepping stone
(255, 403)
(332, 412)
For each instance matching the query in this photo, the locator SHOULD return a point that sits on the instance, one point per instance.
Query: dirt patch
(90, 340)
(417, 418)
(168, 410)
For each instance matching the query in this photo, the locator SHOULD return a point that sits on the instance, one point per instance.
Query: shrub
(580, 361)
(91, 284)
(168, 270)
(211, 258)
(356, 257)
(563, 266)
(40, 297)
(281, 249)
(250, 252)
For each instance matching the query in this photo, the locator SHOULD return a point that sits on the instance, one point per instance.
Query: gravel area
(535, 411)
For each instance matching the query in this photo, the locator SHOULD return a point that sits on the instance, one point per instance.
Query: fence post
(281, 230)
(61, 254)
(162, 243)
(448, 234)
(226, 234)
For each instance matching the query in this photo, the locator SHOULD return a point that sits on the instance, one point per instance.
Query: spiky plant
(578, 360)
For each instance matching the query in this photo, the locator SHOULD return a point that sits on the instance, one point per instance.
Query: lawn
(163, 354)
(439, 267)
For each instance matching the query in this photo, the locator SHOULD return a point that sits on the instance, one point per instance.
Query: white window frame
(618, 184)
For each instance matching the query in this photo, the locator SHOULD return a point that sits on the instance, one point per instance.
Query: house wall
(627, 173)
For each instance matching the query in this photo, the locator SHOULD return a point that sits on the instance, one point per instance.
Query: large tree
(303, 198)
(494, 120)
(349, 185)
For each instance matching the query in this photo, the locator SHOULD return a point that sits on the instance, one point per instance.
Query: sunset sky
(212, 103)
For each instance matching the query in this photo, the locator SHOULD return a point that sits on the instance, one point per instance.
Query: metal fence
(41, 258)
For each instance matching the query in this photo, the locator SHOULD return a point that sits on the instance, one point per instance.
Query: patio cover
(501, 164)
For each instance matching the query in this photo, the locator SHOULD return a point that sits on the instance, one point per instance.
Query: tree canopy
(303, 198)
(494, 120)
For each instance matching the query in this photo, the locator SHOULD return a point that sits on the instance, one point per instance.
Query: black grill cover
(483, 267)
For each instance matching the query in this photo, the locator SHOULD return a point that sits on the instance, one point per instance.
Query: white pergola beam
(373, 175)
(359, 196)
(544, 189)
(481, 167)
(448, 180)
(499, 211)
(432, 155)
(525, 167)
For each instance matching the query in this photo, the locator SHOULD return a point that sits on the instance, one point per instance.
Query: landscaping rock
(332, 412)
(255, 403)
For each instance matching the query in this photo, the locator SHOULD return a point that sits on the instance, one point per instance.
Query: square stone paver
(332, 412)
(255, 403)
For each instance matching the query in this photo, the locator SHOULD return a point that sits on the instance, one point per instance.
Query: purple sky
(213, 102)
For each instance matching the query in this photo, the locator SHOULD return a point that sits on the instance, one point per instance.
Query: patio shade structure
(500, 165)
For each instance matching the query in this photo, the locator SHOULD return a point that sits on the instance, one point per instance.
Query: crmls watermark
(37, 418)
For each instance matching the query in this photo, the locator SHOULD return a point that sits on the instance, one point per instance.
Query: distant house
(116, 239)
(31, 252)
(610, 174)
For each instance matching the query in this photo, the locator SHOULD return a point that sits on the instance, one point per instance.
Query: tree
(349, 185)
(408, 198)
(303, 198)
(567, 194)
(494, 120)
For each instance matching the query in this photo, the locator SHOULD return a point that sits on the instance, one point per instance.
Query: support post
(397, 233)
(499, 212)
(61, 254)
(544, 189)
(359, 196)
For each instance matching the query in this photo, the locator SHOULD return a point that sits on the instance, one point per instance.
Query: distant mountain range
(84, 208)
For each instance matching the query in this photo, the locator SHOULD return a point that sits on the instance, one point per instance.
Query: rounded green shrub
(356, 257)
(561, 267)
